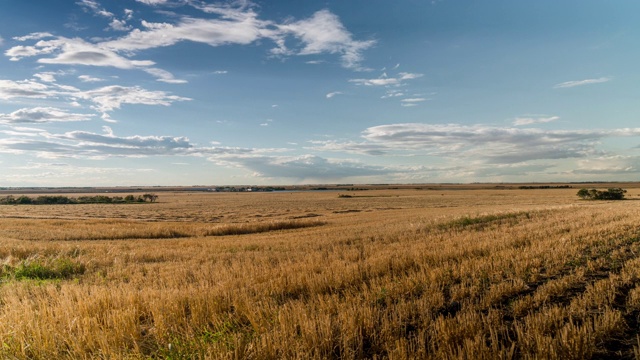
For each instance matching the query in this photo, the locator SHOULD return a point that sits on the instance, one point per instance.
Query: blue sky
(190, 92)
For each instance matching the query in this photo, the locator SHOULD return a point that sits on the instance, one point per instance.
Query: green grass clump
(39, 270)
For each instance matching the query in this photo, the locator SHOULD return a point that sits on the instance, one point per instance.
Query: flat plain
(431, 273)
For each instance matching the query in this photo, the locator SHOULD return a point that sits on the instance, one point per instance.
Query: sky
(200, 92)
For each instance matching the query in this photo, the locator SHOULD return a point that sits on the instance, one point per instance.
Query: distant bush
(59, 199)
(609, 194)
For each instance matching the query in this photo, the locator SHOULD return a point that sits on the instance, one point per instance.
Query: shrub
(609, 194)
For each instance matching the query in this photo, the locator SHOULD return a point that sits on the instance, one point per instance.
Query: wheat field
(388, 274)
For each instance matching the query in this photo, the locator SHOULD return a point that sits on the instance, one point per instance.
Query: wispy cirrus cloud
(570, 84)
(94, 6)
(333, 94)
(34, 36)
(115, 24)
(164, 76)
(385, 80)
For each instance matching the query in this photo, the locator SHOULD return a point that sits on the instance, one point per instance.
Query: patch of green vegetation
(37, 270)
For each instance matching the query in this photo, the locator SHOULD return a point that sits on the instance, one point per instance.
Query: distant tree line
(609, 194)
(60, 200)
(545, 187)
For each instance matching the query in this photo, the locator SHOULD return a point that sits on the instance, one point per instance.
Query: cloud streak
(384, 80)
(570, 84)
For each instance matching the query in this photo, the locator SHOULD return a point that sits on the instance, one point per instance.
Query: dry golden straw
(398, 274)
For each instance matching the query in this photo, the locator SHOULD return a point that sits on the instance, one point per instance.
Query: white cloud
(46, 76)
(164, 76)
(528, 120)
(88, 78)
(41, 115)
(392, 93)
(412, 101)
(608, 165)
(570, 84)
(384, 80)
(88, 145)
(74, 52)
(105, 99)
(119, 25)
(24, 89)
(111, 97)
(220, 72)
(153, 2)
(324, 33)
(237, 23)
(1, 41)
(94, 7)
(352, 147)
(33, 36)
(215, 32)
(332, 94)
